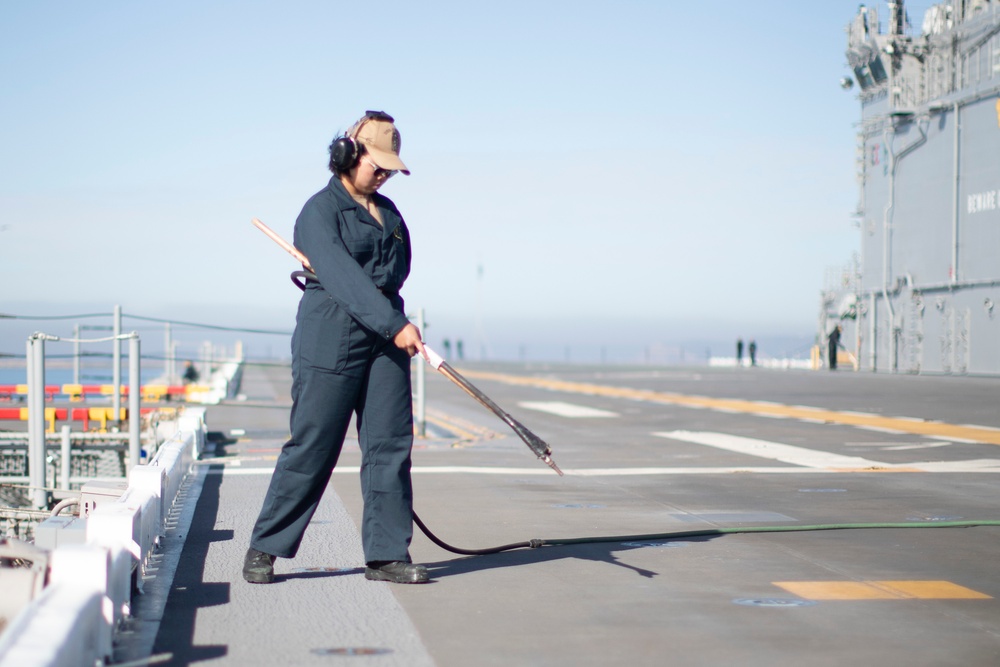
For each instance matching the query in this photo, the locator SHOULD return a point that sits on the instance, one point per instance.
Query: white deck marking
(929, 445)
(975, 465)
(898, 446)
(882, 429)
(775, 451)
(566, 409)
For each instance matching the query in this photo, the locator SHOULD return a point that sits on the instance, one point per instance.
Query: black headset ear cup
(344, 153)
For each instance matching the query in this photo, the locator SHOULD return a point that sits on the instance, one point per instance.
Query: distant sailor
(351, 354)
(190, 373)
(833, 345)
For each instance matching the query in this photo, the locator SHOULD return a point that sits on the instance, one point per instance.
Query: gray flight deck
(660, 456)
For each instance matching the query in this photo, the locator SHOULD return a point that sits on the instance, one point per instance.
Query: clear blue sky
(625, 173)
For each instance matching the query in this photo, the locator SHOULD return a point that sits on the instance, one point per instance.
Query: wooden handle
(289, 248)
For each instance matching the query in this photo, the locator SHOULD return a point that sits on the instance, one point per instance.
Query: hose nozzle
(534, 443)
(552, 464)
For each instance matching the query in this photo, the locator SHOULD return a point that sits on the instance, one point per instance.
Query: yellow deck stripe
(462, 432)
(455, 430)
(932, 429)
(880, 590)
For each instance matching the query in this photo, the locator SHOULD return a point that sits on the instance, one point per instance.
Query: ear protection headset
(345, 150)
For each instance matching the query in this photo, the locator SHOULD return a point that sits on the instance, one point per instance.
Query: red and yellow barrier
(102, 415)
(77, 392)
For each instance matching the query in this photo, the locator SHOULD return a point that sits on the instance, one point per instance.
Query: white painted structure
(90, 585)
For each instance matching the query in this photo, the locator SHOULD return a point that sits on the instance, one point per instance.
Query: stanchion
(134, 397)
(36, 421)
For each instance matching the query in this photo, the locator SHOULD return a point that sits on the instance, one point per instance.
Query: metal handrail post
(36, 421)
(29, 368)
(206, 361)
(134, 396)
(64, 461)
(168, 367)
(116, 371)
(174, 378)
(421, 396)
(76, 354)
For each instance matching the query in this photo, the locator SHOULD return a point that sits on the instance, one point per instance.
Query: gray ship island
(923, 294)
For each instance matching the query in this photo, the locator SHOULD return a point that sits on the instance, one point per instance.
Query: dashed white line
(776, 451)
(570, 410)
(881, 429)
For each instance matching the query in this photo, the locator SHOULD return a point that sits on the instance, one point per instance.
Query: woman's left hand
(409, 339)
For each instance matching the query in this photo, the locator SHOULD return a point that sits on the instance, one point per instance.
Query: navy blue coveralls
(344, 362)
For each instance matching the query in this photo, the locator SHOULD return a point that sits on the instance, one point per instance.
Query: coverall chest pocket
(325, 332)
(359, 239)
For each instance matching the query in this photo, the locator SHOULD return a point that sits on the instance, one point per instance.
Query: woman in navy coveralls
(351, 353)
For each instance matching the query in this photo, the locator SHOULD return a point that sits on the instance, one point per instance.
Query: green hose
(766, 529)
(709, 532)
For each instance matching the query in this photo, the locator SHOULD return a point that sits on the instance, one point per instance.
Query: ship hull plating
(921, 296)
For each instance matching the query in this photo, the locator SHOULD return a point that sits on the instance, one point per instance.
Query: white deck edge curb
(91, 585)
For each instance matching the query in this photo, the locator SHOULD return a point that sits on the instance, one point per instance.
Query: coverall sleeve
(317, 235)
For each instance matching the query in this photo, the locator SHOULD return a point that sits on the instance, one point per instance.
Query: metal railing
(36, 406)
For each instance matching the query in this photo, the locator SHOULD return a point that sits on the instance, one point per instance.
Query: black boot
(397, 572)
(258, 567)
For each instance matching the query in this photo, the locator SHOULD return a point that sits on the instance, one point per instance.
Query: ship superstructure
(924, 293)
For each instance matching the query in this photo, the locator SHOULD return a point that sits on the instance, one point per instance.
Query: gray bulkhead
(926, 294)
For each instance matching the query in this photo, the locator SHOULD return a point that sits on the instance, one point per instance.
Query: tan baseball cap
(381, 139)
